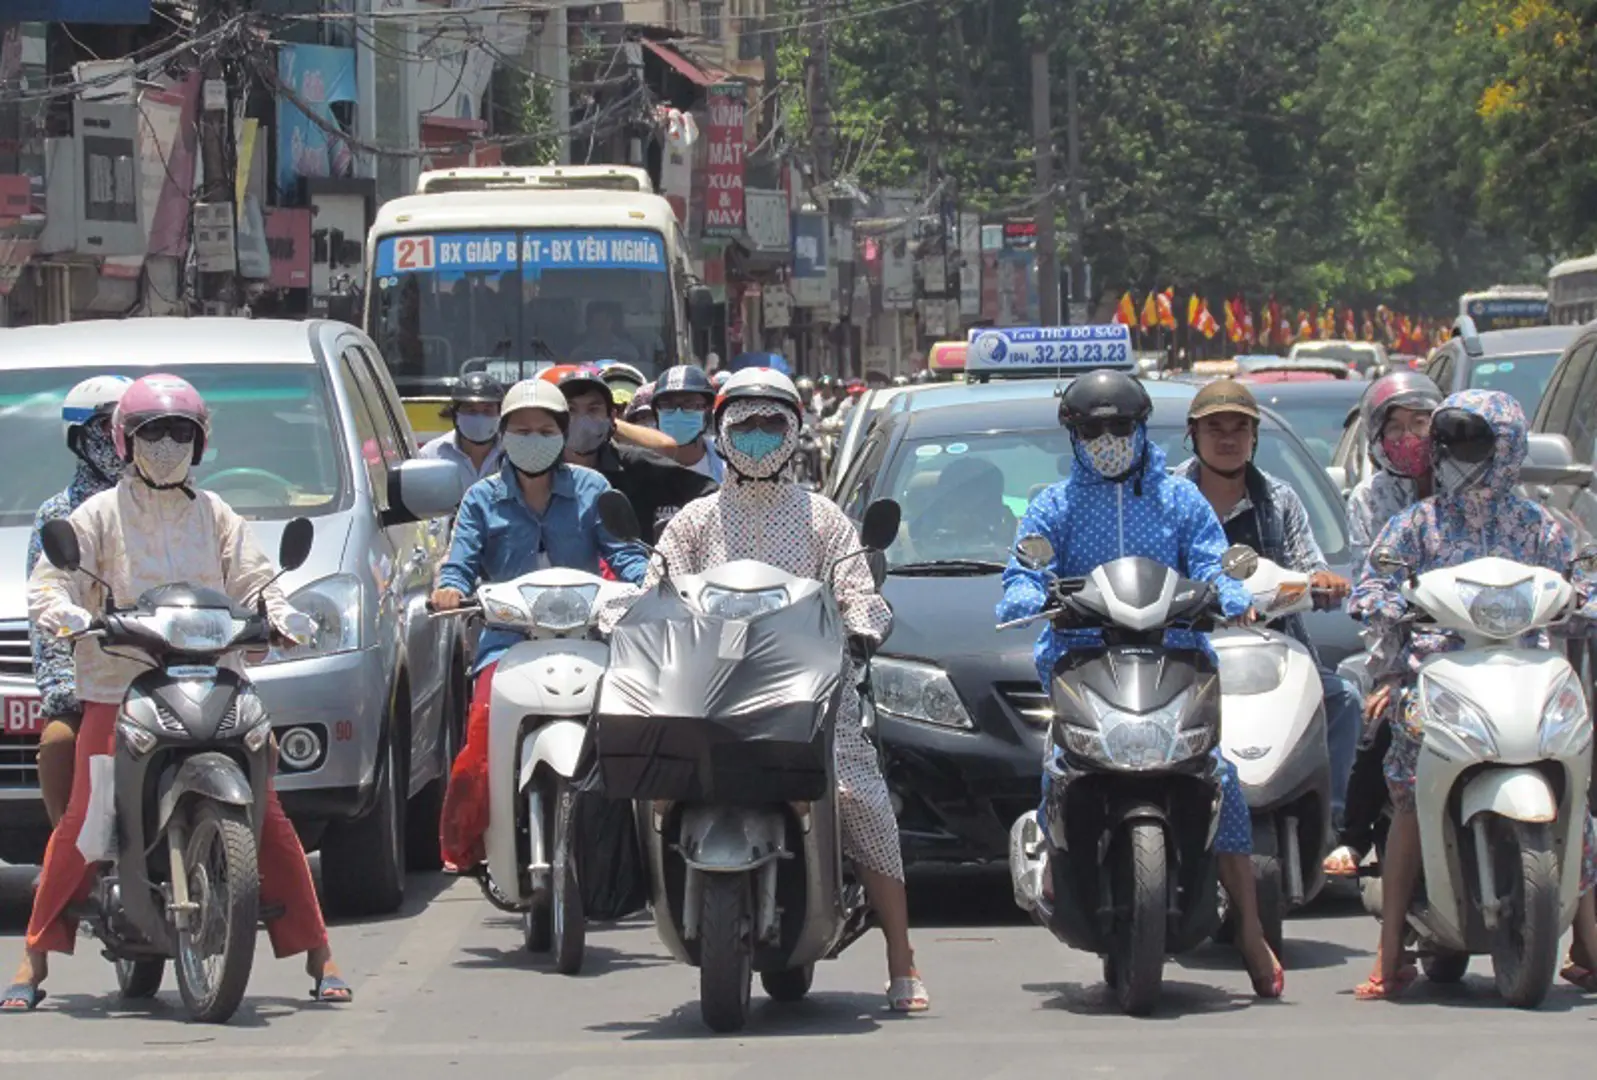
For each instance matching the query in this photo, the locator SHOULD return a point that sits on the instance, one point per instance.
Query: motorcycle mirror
(880, 527)
(1239, 562)
(1034, 552)
(60, 542)
(1387, 562)
(1586, 560)
(617, 516)
(295, 546)
(878, 566)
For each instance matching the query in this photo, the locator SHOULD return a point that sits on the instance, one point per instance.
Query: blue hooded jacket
(1091, 521)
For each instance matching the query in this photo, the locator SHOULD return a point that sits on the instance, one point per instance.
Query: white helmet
(535, 394)
(91, 398)
(758, 383)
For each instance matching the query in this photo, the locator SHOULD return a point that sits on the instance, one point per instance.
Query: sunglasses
(1119, 426)
(771, 425)
(171, 427)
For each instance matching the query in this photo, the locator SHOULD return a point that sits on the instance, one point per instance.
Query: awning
(685, 67)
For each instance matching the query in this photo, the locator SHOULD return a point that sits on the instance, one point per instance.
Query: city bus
(488, 273)
(1504, 307)
(1572, 291)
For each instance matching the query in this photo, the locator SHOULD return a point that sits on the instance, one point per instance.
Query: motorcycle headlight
(1252, 668)
(333, 603)
(561, 609)
(192, 629)
(919, 692)
(733, 604)
(1138, 740)
(1453, 717)
(1566, 721)
(1503, 611)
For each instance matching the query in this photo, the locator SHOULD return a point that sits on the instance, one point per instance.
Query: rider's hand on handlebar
(70, 620)
(1248, 617)
(298, 627)
(1334, 588)
(446, 599)
(1375, 705)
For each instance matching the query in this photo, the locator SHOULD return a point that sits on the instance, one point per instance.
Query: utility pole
(1042, 126)
(818, 92)
(214, 122)
(1075, 200)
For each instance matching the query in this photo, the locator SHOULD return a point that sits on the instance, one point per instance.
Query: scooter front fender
(556, 745)
(209, 776)
(1517, 794)
(730, 839)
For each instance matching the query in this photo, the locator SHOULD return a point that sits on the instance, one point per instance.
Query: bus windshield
(517, 301)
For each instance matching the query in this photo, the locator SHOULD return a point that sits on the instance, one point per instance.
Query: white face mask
(476, 428)
(533, 454)
(588, 433)
(164, 463)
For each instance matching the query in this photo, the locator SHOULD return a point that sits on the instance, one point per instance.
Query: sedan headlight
(193, 629)
(920, 692)
(1251, 668)
(333, 603)
(732, 604)
(560, 609)
(1138, 740)
(1457, 718)
(1503, 611)
(1566, 721)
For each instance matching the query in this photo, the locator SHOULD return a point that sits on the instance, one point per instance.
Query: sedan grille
(1028, 701)
(16, 655)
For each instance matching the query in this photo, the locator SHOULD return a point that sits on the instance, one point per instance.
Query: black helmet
(1104, 395)
(477, 387)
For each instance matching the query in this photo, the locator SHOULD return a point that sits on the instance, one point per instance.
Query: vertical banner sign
(810, 286)
(109, 222)
(288, 239)
(319, 75)
(724, 136)
(970, 271)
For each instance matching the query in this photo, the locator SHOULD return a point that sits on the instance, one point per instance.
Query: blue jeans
(1344, 722)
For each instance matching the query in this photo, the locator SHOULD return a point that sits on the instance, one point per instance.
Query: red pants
(67, 879)
(465, 816)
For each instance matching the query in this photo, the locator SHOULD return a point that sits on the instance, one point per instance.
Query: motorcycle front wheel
(726, 952)
(1135, 965)
(138, 980)
(1525, 873)
(568, 924)
(216, 952)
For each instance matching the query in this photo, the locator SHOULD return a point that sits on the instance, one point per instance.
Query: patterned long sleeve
(864, 611)
(53, 670)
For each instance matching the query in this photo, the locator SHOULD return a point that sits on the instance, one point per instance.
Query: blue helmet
(684, 379)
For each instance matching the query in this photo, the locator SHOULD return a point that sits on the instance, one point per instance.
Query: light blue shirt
(446, 447)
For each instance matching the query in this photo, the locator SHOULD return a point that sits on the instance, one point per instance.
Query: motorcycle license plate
(21, 716)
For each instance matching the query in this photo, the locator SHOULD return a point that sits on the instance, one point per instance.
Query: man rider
(603, 340)
(1261, 511)
(473, 443)
(683, 396)
(656, 487)
(86, 415)
(1118, 501)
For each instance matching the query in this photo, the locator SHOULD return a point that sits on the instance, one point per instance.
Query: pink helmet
(154, 397)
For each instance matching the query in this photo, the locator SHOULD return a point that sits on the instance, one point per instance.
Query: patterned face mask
(163, 463)
(534, 454)
(1112, 456)
(1409, 455)
(751, 453)
(474, 427)
(1454, 477)
(98, 452)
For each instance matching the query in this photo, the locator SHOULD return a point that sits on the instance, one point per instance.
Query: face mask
(96, 450)
(588, 433)
(164, 463)
(1111, 455)
(756, 445)
(1454, 477)
(533, 454)
(477, 429)
(1409, 455)
(683, 425)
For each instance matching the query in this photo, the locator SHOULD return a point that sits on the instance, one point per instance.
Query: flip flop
(1376, 988)
(1343, 862)
(907, 994)
(27, 993)
(331, 990)
(1583, 977)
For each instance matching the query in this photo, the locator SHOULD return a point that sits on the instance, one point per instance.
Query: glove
(298, 627)
(70, 619)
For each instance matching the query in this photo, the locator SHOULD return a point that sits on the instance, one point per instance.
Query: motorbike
(190, 778)
(1132, 812)
(542, 693)
(1273, 727)
(1503, 773)
(717, 717)
(809, 459)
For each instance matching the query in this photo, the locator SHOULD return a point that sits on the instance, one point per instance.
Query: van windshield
(272, 454)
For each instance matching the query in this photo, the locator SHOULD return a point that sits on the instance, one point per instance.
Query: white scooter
(1272, 728)
(542, 695)
(1503, 773)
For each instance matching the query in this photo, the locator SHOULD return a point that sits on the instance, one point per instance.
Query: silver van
(305, 422)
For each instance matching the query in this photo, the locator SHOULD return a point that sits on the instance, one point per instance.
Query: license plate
(21, 716)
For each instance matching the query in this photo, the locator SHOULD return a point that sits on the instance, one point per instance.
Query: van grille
(1028, 701)
(16, 656)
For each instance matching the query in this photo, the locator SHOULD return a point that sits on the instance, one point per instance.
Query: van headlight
(333, 603)
(1503, 611)
(1251, 669)
(732, 604)
(1566, 721)
(1452, 716)
(920, 692)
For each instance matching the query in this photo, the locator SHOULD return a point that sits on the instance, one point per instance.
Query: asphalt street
(443, 988)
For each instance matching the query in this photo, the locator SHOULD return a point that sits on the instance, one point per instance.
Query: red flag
(1350, 330)
(1267, 322)
(1205, 321)
(1167, 309)
(1233, 326)
(1305, 325)
(1126, 313)
(1248, 334)
(1150, 313)
(1282, 332)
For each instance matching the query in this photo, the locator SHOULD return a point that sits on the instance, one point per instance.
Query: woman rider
(131, 536)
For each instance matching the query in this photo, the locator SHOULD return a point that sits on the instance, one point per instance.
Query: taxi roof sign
(1047, 351)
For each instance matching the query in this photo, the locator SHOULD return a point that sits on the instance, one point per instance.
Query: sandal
(1375, 988)
(907, 994)
(21, 997)
(331, 990)
(1343, 862)
(1576, 975)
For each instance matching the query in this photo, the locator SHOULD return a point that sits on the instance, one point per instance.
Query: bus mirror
(701, 306)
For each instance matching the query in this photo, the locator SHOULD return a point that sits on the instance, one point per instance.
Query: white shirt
(710, 464)
(447, 448)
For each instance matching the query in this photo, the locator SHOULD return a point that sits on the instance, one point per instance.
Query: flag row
(1275, 326)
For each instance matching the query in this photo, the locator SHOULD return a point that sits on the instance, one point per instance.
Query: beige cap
(1223, 396)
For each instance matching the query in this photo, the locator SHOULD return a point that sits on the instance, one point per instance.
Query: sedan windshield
(963, 497)
(272, 452)
(1523, 378)
(1316, 419)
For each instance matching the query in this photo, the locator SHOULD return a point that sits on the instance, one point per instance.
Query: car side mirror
(60, 542)
(422, 488)
(1239, 562)
(701, 306)
(295, 546)
(1387, 562)
(618, 517)
(880, 527)
(1034, 552)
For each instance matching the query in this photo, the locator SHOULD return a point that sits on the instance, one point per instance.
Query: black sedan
(959, 710)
